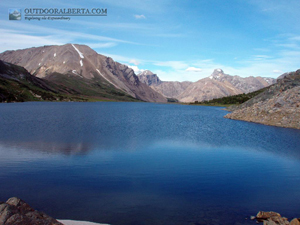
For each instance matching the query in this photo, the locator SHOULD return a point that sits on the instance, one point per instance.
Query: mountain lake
(146, 163)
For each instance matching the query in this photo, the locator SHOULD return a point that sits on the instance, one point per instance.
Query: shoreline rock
(274, 218)
(77, 222)
(17, 212)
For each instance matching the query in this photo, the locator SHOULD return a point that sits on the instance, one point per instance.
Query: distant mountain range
(279, 105)
(217, 85)
(170, 89)
(80, 71)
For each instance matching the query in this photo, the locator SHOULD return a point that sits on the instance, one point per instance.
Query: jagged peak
(146, 72)
(218, 70)
(149, 78)
(218, 73)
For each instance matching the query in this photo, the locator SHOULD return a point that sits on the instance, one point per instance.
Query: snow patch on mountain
(145, 72)
(269, 81)
(80, 54)
(107, 79)
(75, 72)
(81, 64)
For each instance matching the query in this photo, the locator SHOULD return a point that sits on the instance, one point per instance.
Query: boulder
(17, 212)
(274, 218)
(266, 215)
(295, 221)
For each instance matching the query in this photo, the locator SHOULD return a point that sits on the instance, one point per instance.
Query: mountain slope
(279, 105)
(246, 85)
(169, 89)
(18, 85)
(219, 84)
(71, 63)
(172, 89)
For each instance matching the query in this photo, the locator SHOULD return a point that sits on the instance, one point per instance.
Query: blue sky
(178, 40)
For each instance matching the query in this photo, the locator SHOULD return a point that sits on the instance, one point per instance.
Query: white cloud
(262, 49)
(134, 61)
(150, 30)
(177, 65)
(171, 75)
(123, 59)
(193, 69)
(289, 45)
(140, 16)
(13, 41)
(118, 58)
(267, 66)
(276, 12)
(114, 25)
(136, 69)
(138, 5)
(102, 45)
(262, 56)
(18, 36)
(295, 38)
(181, 71)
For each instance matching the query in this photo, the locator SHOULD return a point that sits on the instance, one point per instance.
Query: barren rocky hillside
(279, 105)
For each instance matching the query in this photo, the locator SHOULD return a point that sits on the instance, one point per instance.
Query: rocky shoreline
(17, 212)
(282, 111)
(274, 218)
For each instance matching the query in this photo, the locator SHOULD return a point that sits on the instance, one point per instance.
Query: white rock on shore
(76, 222)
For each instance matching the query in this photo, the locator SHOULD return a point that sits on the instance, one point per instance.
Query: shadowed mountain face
(17, 73)
(170, 89)
(17, 85)
(81, 70)
(217, 85)
(147, 77)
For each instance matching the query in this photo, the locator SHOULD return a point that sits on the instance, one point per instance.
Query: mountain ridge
(217, 85)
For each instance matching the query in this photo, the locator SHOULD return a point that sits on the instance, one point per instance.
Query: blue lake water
(145, 163)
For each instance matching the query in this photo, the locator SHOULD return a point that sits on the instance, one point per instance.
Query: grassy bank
(229, 100)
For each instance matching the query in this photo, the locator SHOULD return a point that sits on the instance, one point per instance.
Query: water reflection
(78, 128)
(67, 149)
(131, 144)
